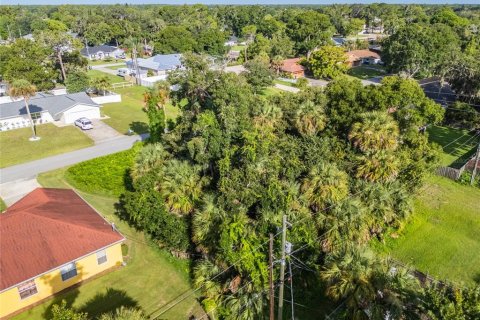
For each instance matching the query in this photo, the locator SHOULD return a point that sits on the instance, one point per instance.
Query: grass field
(442, 237)
(366, 72)
(457, 144)
(270, 91)
(92, 74)
(238, 48)
(129, 113)
(16, 148)
(3, 206)
(290, 84)
(150, 279)
(99, 62)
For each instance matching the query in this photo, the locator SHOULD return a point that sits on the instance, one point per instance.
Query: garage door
(71, 115)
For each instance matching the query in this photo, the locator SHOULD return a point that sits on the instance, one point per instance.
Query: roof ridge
(68, 223)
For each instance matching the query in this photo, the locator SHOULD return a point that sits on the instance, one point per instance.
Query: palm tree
(376, 131)
(23, 89)
(377, 166)
(325, 184)
(101, 84)
(158, 97)
(349, 276)
(206, 222)
(124, 313)
(309, 119)
(151, 156)
(181, 186)
(276, 64)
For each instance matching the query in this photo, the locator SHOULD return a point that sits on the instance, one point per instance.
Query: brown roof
(292, 65)
(46, 229)
(356, 55)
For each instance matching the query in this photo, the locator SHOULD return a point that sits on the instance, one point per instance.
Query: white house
(102, 52)
(232, 41)
(46, 108)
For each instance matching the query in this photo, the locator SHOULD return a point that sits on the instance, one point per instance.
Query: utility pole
(282, 268)
(270, 279)
(477, 159)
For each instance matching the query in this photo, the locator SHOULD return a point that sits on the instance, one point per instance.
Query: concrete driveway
(101, 132)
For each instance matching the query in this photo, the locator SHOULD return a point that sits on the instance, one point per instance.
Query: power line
(264, 243)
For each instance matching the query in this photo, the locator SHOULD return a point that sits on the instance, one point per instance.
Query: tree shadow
(476, 278)
(139, 127)
(55, 283)
(108, 301)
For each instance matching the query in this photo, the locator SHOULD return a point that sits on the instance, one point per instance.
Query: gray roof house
(101, 52)
(46, 107)
(160, 64)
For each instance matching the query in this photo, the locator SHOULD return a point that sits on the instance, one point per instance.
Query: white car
(84, 123)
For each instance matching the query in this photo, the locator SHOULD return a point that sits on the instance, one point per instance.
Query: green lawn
(117, 67)
(270, 91)
(366, 72)
(286, 83)
(99, 62)
(129, 113)
(16, 148)
(238, 48)
(463, 146)
(92, 74)
(442, 237)
(3, 206)
(150, 279)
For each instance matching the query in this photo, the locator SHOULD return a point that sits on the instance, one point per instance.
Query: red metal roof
(292, 65)
(46, 229)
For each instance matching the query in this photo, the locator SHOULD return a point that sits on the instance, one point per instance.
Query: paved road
(286, 88)
(30, 170)
(104, 67)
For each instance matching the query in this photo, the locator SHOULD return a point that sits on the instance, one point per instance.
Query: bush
(105, 175)
(146, 210)
(302, 83)
(150, 73)
(466, 176)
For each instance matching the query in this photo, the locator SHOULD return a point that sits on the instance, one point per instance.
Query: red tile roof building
(356, 57)
(293, 67)
(47, 229)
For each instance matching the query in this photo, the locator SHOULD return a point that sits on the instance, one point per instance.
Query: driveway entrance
(101, 132)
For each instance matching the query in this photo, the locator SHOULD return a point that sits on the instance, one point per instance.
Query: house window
(69, 271)
(36, 115)
(101, 256)
(27, 289)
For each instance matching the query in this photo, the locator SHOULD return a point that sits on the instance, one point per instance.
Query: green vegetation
(366, 72)
(100, 62)
(105, 175)
(95, 74)
(3, 206)
(238, 48)
(441, 238)
(129, 113)
(458, 144)
(151, 278)
(16, 148)
(286, 83)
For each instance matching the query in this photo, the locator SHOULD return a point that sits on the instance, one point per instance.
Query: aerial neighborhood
(223, 161)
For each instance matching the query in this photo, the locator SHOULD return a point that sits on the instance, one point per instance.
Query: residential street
(30, 170)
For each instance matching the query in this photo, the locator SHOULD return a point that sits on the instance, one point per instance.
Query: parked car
(122, 72)
(84, 123)
(120, 56)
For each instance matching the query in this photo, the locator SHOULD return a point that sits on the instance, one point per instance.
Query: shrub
(105, 175)
(302, 83)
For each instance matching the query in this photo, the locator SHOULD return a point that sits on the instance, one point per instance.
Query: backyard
(366, 71)
(16, 148)
(441, 238)
(92, 74)
(129, 113)
(151, 278)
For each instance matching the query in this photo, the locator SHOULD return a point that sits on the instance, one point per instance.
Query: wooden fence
(450, 173)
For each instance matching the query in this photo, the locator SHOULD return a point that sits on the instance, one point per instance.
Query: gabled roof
(356, 55)
(94, 50)
(42, 102)
(339, 40)
(159, 62)
(47, 229)
(292, 65)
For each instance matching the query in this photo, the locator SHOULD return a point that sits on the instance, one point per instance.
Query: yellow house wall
(51, 283)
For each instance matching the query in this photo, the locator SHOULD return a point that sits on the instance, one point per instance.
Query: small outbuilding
(293, 68)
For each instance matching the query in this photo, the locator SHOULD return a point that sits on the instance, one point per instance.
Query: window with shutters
(69, 271)
(101, 256)
(27, 289)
